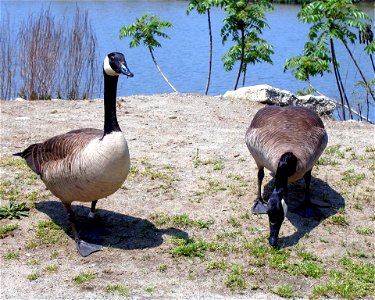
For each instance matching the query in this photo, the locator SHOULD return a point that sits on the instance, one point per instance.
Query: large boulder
(270, 95)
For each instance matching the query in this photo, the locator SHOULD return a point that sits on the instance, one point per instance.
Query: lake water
(183, 58)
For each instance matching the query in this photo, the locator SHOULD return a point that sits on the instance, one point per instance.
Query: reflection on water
(184, 57)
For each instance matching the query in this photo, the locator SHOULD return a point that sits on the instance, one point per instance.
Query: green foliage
(14, 210)
(356, 280)
(244, 23)
(285, 291)
(83, 277)
(11, 255)
(235, 279)
(314, 61)
(201, 6)
(144, 30)
(119, 288)
(6, 230)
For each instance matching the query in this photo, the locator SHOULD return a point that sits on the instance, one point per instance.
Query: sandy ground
(189, 157)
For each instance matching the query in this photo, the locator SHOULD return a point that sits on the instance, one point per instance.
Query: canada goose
(86, 164)
(287, 141)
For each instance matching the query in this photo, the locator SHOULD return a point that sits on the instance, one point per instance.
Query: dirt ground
(192, 179)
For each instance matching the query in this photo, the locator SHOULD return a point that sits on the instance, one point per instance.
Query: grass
(339, 219)
(217, 265)
(364, 230)
(34, 276)
(46, 233)
(7, 229)
(84, 277)
(235, 279)
(327, 161)
(354, 280)
(51, 268)
(217, 164)
(285, 291)
(189, 248)
(120, 288)
(11, 255)
(352, 178)
(14, 210)
(180, 221)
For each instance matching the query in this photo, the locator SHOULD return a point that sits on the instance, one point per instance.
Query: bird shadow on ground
(109, 228)
(327, 201)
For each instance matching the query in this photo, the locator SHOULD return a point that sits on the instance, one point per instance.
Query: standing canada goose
(287, 141)
(86, 164)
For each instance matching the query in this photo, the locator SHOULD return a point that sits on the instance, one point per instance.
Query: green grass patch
(51, 268)
(14, 210)
(355, 280)
(365, 230)
(217, 265)
(327, 161)
(352, 178)
(217, 164)
(335, 151)
(235, 279)
(84, 277)
(46, 233)
(119, 288)
(339, 219)
(11, 255)
(284, 291)
(181, 221)
(7, 229)
(34, 276)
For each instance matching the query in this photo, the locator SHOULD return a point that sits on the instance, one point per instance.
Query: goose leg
(307, 209)
(260, 207)
(83, 247)
(92, 210)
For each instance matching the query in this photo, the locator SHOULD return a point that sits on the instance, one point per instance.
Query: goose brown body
(276, 130)
(81, 165)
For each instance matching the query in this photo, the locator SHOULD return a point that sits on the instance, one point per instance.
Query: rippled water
(183, 58)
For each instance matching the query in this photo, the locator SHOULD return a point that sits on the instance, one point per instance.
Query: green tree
(204, 7)
(144, 29)
(332, 20)
(244, 23)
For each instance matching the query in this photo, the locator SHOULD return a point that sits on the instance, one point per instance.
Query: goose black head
(277, 207)
(115, 64)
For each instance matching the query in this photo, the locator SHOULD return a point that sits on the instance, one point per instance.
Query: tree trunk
(337, 76)
(244, 75)
(368, 88)
(242, 57)
(210, 55)
(160, 71)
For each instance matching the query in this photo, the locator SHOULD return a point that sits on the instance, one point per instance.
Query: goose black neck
(110, 91)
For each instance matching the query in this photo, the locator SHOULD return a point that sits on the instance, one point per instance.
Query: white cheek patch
(285, 206)
(108, 69)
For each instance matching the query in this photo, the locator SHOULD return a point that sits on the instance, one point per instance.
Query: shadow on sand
(327, 200)
(109, 228)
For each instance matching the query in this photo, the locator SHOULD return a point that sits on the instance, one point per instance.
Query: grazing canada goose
(86, 164)
(287, 141)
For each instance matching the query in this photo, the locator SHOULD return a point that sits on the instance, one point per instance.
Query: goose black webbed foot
(85, 248)
(259, 207)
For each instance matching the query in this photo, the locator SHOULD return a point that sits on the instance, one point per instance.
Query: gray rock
(267, 94)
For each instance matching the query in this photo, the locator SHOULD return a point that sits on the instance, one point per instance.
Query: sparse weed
(11, 255)
(51, 268)
(352, 178)
(284, 291)
(335, 151)
(182, 221)
(365, 230)
(6, 230)
(327, 161)
(235, 279)
(120, 288)
(84, 277)
(339, 219)
(33, 276)
(217, 265)
(14, 210)
(355, 281)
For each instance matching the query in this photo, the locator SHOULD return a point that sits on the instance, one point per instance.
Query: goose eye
(111, 58)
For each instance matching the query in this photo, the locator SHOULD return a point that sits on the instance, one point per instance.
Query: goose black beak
(125, 70)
